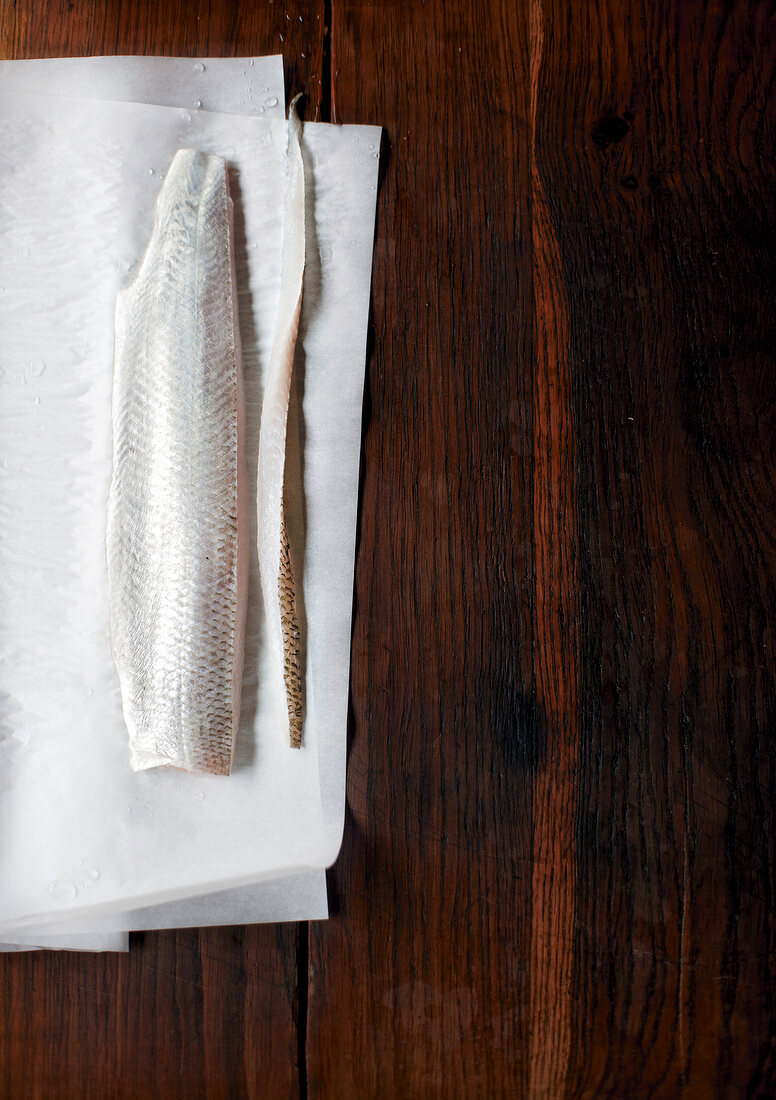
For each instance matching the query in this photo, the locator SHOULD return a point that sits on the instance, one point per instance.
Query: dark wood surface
(558, 876)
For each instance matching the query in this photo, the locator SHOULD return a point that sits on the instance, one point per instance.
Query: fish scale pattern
(176, 585)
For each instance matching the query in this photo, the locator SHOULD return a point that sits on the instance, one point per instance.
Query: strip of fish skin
(177, 533)
(277, 578)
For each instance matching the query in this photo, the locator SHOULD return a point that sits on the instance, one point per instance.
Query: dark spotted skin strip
(292, 669)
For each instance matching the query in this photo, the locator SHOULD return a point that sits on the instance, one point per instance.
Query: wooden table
(557, 877)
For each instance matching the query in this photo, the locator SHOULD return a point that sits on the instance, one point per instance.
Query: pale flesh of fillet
(177, 536)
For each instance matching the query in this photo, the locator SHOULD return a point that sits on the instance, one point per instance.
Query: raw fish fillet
(177, 536)
(275, 564)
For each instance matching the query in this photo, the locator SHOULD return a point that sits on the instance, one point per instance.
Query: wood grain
(557, 630)
(558, 875)
(205, 1013)
(428, 957)
(663, 139)
(582, 200)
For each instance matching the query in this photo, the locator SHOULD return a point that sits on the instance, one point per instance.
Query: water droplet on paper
(149, 171)
(35, 402)
(199, 796)
(37, 367)
(198, 103)
(88, 692)
(252, 62)
(186, 116)
(375, 156)
(63, 890)
(93, 873)
(260, 110)
(129, 809)
(355, 139)
(242, 72)
(371, 146)
(199, 67)
(271, 101)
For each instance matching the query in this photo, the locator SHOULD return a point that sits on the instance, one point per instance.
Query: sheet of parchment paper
(290, 898)
(91, 941)
(234, 85)
(173, 82)
(77, 185)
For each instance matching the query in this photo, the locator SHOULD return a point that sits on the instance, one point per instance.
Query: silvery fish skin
(177, 536)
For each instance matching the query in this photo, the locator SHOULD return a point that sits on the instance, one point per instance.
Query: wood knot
(609, 130)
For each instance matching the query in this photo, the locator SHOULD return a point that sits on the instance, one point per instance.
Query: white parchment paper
(91, 941)
(77, 185)
(233, 85)
(239, 86)
(290, 898)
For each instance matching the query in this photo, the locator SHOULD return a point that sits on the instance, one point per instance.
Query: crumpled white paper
(77, 185)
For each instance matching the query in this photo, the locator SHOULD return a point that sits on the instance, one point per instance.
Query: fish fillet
(177, 537)
(277, 577)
